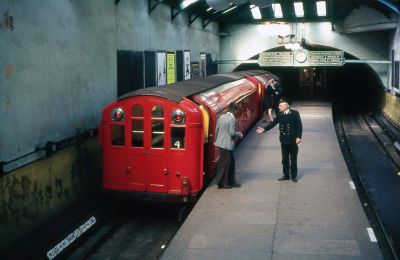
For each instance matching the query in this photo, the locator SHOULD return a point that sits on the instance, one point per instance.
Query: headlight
(117, 114)
(178, 117)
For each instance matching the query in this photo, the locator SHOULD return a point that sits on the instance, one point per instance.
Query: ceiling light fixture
(186, 3)
(321, 8)
(277, 10)
(255, 11)
(298, 9)
(289, 41)
(230, 9)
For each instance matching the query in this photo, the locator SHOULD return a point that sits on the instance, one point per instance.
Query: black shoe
(236, 185)
(283, 178)
(224, 187)
(294, 179)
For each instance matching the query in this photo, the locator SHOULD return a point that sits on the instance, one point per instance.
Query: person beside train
(290, 134)
(225, 139)
(269, 101)
(276, 95)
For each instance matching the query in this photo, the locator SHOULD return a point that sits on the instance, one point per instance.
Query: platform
(319, 217)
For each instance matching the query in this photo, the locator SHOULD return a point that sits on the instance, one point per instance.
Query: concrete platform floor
(319, 217)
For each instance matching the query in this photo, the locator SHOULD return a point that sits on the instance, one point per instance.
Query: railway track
(141, 231)
(368, 146)
(105, 229)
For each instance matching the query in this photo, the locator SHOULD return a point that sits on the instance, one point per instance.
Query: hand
(238, 135)
(298, 140)
(260, 130)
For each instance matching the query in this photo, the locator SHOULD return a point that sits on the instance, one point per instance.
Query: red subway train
(158, 142)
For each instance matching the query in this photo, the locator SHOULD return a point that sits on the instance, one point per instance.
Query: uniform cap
(285, 100)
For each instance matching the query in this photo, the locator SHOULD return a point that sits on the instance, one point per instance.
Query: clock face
(301, 57)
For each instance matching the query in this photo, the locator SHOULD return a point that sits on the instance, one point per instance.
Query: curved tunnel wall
(355, 87)
(32, 195)
(241, 42)
(391, 108)
(392, 102)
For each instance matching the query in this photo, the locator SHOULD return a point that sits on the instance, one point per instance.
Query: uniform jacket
(290, 126)
(225, 131)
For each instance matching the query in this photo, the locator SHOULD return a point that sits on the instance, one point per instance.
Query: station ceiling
(241, 10)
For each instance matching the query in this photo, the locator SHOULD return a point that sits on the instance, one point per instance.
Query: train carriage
(158, 142)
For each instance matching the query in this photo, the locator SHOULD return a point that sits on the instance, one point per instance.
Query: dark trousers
(226, 167)
(289, 159)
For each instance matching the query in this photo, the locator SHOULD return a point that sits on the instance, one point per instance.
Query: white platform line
(371, 234)
(352, 185)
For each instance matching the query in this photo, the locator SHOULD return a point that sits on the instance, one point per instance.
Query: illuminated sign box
(267, 59)
(301, 58)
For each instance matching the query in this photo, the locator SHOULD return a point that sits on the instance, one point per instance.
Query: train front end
(152, 149)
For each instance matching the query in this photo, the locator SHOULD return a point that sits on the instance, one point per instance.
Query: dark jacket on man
(290, 126)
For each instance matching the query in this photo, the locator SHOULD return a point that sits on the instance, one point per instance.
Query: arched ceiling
(207, 10)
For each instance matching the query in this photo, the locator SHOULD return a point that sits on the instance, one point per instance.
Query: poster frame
(161, 68)
(171, 67)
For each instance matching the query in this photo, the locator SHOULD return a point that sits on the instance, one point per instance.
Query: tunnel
(353, 87)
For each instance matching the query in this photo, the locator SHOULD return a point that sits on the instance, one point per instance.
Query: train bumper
(151, 196)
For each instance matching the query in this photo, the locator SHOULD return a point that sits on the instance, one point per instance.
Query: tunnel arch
(241, 42)
(356, 87)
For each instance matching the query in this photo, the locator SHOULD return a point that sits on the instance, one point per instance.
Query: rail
(348, 127)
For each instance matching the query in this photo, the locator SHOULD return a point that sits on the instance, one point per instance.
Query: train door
(155, 143)
(136, 170)
(148, 160)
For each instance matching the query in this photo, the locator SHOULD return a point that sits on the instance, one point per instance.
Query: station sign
(301, 58)
(325, 58)
(267, 59)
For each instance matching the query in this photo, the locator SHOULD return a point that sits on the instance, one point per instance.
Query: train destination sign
(301, 58)
(275, 59)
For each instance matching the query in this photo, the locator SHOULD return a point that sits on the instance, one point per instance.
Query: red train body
(158, 142)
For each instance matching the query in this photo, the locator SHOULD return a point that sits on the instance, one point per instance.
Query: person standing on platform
(225, 137)
(276, 95)
(290, 134)
(269, 101)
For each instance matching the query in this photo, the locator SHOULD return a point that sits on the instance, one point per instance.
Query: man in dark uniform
(290, 133)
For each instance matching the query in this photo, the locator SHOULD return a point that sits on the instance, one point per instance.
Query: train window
(157, 112)
(157, 133)
(178, 137)
(137, 111)
(137, 133)
(117, 134)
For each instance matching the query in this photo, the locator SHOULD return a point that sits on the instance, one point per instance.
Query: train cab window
(137, 126)
(157, 136)
(157, 112)
(137, 111)
(137, 133)
(178, 137)
(118, 135)
(157, 127)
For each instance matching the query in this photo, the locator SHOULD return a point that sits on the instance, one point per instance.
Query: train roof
(177, 91)
(253, 72)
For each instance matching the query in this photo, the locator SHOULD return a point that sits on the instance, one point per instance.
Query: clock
(301, 57)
